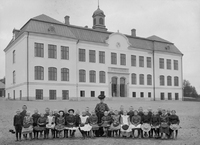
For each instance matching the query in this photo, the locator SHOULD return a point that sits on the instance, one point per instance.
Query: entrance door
(114, 86)
(122, 87)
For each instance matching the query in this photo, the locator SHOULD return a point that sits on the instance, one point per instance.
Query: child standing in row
(18, 123)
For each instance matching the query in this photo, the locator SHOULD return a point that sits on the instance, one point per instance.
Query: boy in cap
(18, 123)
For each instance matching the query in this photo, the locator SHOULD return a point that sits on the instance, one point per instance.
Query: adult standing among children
(100, 109)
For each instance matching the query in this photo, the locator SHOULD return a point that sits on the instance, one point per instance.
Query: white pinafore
(86, 127)
(51, 122)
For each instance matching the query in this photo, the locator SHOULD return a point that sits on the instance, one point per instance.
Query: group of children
(113, 123)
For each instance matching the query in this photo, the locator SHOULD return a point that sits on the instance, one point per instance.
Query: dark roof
(2, 85)
(156, 38)
(43, 24)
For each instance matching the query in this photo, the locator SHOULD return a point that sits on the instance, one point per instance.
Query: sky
(177, 21)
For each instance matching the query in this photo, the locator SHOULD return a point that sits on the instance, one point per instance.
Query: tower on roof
(99, 20)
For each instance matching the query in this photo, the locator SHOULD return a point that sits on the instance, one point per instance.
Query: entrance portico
(119, 81)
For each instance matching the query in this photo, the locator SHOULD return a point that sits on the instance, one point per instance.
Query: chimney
(15, 32)
(133, 32)
(67, 20)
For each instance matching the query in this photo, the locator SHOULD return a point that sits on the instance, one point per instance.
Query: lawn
(189, 113)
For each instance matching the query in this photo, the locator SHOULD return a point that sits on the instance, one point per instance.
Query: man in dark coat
(100, 109)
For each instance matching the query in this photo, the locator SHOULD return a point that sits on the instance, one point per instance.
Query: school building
(50, 60)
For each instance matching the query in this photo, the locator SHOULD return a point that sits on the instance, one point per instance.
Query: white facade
(25, 85)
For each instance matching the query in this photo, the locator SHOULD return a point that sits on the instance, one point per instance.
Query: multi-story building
(50, 60)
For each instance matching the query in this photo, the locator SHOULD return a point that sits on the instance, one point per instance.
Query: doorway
(114, 86)
(122, 87)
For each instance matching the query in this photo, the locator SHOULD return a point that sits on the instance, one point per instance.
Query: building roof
(46, 25)
(2, 85)
(156, 38)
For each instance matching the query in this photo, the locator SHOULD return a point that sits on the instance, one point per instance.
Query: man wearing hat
(100, 109)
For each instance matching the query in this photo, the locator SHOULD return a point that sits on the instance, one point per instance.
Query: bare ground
(189, 113)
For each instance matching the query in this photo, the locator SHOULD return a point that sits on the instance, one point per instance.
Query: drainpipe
(154, 90)
(27, 67)
(182, 78)
(77, 76)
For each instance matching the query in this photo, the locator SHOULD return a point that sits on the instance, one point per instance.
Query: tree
(188, 90)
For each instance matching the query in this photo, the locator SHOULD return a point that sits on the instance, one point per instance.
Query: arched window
(169, 80)
(101, 21)
(52, 73)
(39, 73)
(149, 80)
(92, 76)
(13, 56)
(176, 81)
(82, 76)
(141, 79)
(162, 80)
(94, 21)
(133, 79)
(64, 74)
(14, 77)
(102, 77)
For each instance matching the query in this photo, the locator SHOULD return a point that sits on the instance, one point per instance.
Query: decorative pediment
(118, 41)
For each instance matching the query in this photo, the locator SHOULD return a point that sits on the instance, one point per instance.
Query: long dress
(155, 121)
(27, 125)
(106, 121)
(93, 121)
(174, 122)
(50, 122)
(70, 122)
(84, 126)
(41, 124)
(60, 122)
(164, 124)
(135, 122)
(115, 122)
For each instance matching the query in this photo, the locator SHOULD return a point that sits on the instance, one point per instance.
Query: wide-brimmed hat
(146, 127)
(101, 97)
(125, 127)
(71, 110)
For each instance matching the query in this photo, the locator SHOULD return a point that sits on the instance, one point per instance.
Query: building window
(14, 56)
(82, 93)
(101, 21)
(149, 94)
(134, 94)
(141, 61)
(39, 94)
(52, 94)
(14, 77)
(113, 58)
(52, 73)
(162, 80)
(168, 63)
(81, 54)
(39, 73)
(133, 60)
(102, 92)
(161, 62)
(176, 96)
(169, 80)
(92, 93)
(162, 96)
(82, 76)
(94, 21)
(123, 59)
(39, 50)
(149, 80)
(176, 81)
(65, 94)
(141, 94)
(169, 96)
(92, 56)
(52, 51)
(64, 74)
(92, 76)
(175, 64)
(133, 79)
(149, 62)
(101, 57)
(141, 79)
(64, 52)
(102, 77)
(20, 94)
